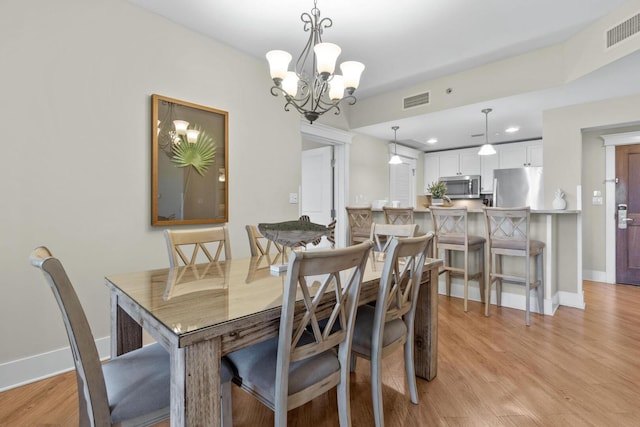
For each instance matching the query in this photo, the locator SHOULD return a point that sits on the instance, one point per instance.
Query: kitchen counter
(547, 225)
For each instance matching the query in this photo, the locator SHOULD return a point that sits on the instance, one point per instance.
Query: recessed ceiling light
(432, 140)
(512, 129)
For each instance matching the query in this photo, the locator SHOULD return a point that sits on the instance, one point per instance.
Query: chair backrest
(197, 239)
(255, 244)
(398, 215)
(381, 234)
(360, 219)
(509, 229)
(92, 392)
(450, 223)
(400, 282)
(311, 274)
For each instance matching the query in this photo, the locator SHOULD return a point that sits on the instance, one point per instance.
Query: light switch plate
(597, 200)
(293, 198)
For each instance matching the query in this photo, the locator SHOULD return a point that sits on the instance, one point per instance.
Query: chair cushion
(534, 245)
(459, 240)
(256, 367)
(363, 330)
(138, 382)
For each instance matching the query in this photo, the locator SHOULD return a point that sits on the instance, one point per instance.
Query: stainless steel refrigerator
(518, 187)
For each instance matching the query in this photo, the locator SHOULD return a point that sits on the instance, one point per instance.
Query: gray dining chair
(382, 329)
(301, 363)
(197, 240)
(130, 390)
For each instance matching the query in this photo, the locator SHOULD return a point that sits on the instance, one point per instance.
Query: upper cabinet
(450, 163)
(466, 161)
(520, 154)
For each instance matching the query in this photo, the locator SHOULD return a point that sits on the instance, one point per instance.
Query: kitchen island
(560, 230)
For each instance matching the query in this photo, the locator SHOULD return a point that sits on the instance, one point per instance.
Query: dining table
(201, 312)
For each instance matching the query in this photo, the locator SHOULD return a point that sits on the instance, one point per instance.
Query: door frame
(341, 141)
(610, 142)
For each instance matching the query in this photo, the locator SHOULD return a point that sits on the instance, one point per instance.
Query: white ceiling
(413, 41)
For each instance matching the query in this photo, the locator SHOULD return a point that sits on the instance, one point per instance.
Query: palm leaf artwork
(200, 154)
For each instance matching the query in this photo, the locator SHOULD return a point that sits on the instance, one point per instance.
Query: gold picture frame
(189, 166)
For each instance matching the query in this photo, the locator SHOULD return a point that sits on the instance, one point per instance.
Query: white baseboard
(595, 275)
(515, 300)
(33, 368)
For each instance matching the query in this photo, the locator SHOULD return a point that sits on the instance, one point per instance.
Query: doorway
(340, 141)
(628, 214)
(611, 143)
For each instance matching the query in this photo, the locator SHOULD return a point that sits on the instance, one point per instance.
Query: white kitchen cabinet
(520, 154)
(452, 162)
(431, 169)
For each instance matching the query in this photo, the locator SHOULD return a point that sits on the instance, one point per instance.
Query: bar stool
(398, 215)
(508, 230)
(360, 220)
(451, 229)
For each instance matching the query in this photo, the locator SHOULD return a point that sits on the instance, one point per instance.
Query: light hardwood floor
(577, 368)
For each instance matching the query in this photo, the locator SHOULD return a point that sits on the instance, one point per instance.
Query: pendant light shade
(395, 159)
(487, 149)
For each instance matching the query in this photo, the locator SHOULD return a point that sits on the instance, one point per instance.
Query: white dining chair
(197, 240)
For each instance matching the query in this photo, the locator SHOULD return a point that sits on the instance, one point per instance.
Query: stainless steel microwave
(462, 186)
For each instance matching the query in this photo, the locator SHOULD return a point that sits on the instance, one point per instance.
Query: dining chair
(398, 215)
(360, 220)
(452, 234)
(381, 235)
(130, 390)
(509, 232)
(301, 363)
(380, 330)
(198, 239)
(255, 242)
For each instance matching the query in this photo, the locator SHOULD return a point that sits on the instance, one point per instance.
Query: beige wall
(76, 84)
(369, 169)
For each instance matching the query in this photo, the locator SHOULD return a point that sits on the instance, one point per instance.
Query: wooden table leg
(195, 384)
(126, 333)
(426, 326)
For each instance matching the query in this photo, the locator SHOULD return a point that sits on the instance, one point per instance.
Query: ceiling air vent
(623, 31)
(416, 100)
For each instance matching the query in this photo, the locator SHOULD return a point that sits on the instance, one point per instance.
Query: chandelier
(313, 88)
(487, 149)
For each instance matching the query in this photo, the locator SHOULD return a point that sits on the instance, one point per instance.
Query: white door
(316, 199)
(402, 182)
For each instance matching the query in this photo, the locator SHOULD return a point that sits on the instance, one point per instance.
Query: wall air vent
(416, 100)
(623, 31)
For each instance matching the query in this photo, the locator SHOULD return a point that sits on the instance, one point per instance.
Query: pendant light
(395, 159)
(487, 149)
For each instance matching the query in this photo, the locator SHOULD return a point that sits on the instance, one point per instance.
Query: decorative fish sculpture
(298, 233)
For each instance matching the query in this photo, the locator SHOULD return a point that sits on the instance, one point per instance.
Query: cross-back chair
(381, 235)
(256, 240)
(198, 239)
(382, 329)
(398, 215)
(301, 363)
(452, 234)
(360, 220)
(509, 234)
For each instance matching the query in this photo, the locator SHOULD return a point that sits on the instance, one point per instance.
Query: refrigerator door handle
(494, 198)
